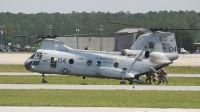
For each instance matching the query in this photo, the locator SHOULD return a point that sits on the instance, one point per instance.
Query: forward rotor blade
(38, 41)
(19, 35)
(112, 22)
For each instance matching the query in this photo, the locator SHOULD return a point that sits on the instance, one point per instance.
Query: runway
(99, 87)
(13, 58)
(90, 109)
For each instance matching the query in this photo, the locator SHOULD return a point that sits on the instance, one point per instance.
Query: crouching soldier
(154, 74)
(163, 76)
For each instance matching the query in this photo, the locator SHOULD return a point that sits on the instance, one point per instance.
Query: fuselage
(94, 64)
(157, 50)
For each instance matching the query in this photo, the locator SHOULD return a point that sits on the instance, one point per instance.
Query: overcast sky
(112, 6)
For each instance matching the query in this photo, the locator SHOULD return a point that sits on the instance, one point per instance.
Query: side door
(53, 62)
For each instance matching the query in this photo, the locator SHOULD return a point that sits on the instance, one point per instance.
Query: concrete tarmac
(99, 87)
(13, 58)
(187, 60)
(90, 109)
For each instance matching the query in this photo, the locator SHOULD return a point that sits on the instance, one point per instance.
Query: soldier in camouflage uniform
(148, 79)
(154, 74)
(163, 76)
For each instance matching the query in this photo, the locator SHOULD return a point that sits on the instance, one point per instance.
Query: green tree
(9, 31)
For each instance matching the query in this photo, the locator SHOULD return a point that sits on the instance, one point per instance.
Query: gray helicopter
(156, 49)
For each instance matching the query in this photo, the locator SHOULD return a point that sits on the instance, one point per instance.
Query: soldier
(163, 76)
(154, 74)
(148, 79)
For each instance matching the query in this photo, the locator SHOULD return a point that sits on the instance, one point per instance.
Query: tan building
(125, 38)
(197, 47)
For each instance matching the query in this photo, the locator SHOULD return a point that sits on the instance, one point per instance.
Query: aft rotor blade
(168, 29)
(184, 29)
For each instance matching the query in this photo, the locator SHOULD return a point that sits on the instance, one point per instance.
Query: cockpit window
(38, 56)
(32, 56)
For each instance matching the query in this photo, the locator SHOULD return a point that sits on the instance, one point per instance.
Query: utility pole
(1, 34)
(49, 26)
(101, 30)
(26, 31)
(77, 31)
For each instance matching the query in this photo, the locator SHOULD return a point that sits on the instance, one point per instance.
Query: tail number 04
(171, 49)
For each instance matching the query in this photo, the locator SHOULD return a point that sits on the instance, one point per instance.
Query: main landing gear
(122, 82)
(43, 78)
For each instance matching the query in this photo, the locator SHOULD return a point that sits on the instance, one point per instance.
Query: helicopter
(156, 49)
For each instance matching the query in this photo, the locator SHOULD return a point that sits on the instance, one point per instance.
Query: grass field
(101, 98)
(6, 79)
(98, 98)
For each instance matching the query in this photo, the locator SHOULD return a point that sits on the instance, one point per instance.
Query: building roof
(130, 30)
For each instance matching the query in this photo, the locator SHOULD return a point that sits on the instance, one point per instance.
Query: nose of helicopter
(27, 64)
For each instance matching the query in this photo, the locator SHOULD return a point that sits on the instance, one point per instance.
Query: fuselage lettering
(163, 38)
(171, 49)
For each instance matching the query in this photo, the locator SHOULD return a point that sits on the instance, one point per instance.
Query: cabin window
(53, 62)
(98, 63)
(124, 69)
(89, 62)
(146, 54)
(151, 45)
(71, 61)
(116, 64)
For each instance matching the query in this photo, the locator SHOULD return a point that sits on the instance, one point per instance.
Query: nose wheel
(43, 79)
(122, 82)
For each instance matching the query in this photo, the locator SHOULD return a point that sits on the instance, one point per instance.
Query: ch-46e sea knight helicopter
(156, 49)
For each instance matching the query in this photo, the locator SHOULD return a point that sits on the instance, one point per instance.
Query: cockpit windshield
(32, 56)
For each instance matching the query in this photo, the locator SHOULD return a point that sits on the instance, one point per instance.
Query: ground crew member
(163, 76)
(154, 74)
(148, 79)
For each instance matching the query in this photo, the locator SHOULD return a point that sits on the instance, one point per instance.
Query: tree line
(66, 24)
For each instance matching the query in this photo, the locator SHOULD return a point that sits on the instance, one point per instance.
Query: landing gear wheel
(130, 82)
(43, 79)
(122, 82)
